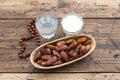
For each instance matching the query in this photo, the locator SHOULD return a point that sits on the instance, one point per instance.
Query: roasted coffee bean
(45, 57)
(64, 56)
(36, 32)
(27, 38)
(32, 32)
(51, 60)
(20, 55)
(37, 56)
(33, 29)
(29, 24)
(21, 41)
(37, 35)
(20, 52)
(32, 36)
(24, 47)
(32, 26)
(38, 41)
(22, 44)
(29, 27)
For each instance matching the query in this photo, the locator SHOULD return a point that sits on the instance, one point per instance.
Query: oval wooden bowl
(93, 45)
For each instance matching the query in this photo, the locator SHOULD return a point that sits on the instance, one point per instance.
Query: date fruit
(57, 63)
(51, 60)
(82, 40)
(64, 56)
(45, 57)
(51, 46)
(61, 43)
(46, 51)
(72, 45)
(62, 51)
(55, 53)
(62, 48)
(37, 56)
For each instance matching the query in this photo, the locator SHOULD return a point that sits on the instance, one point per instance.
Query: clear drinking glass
(46, 25)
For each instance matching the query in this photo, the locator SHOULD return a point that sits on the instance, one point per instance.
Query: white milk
(72, 24)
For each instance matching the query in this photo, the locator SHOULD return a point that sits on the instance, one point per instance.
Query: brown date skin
(82, 50)
(87, 42)
(44, 63)
(64, 56)
(82, 40)
(78, 48)
(61, 48)
(61, 43)
(57, 63)
(37, 56)
(39, 62)
(55, 53)
(70, 41)
(51, 46)
(45, 57)
(72, 45)
(72, 53)
(51, 60)
(87, 47)
(46, 51)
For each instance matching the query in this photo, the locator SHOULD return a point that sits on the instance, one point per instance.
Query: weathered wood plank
(60, 76)
(105, 58)
(87, 9)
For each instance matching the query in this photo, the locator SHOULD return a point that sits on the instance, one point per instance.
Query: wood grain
(105, 58)
(60, 76)
(32, 8)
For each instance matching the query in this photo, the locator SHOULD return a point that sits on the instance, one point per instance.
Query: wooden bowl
(93, 45)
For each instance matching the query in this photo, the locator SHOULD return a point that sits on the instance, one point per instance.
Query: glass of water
(46, 25)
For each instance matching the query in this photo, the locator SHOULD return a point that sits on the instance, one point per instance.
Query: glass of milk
(72, 24)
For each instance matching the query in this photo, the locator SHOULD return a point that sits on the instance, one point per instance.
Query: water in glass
(46, 25)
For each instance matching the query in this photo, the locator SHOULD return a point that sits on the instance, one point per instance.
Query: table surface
(101, 20)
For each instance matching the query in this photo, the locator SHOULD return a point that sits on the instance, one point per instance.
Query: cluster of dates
(62, 51)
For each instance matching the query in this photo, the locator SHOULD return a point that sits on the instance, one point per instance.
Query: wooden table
(101, 20)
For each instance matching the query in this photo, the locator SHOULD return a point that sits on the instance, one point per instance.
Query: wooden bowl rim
(93, 43)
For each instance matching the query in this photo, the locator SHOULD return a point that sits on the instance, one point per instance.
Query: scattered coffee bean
(31, 28)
